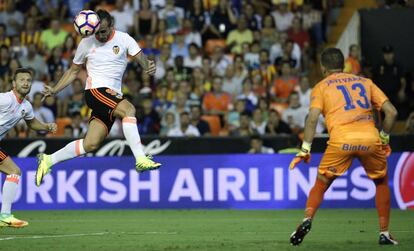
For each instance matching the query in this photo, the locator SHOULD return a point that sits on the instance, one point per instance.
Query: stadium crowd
(227, 67)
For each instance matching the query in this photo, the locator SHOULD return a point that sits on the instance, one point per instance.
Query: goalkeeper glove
(385, 140)
(303, 154)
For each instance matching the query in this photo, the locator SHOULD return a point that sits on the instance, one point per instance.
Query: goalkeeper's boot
(145, 163)
(387, 239)
(8, 220)
(303, 229)
(44, 162)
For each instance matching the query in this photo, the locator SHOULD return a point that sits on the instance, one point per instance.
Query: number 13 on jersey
(362, 100)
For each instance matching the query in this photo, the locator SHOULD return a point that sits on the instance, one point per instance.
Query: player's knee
(16, 170)
(90, 146)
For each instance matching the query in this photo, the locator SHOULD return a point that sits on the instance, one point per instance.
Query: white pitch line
(51, 236)
(79, 235)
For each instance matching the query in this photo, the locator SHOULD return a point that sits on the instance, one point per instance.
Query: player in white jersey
(105, 55)
(13, 108)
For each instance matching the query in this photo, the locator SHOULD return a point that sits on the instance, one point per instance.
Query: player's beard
(23, 91)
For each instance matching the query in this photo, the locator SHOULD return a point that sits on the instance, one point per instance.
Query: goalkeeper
(347, 101)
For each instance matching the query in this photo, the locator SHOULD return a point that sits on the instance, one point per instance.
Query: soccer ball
(86, 23)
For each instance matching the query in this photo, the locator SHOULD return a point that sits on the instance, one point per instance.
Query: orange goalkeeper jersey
(347, 101)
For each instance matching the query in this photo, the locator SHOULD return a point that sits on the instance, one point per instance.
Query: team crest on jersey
(115, 49)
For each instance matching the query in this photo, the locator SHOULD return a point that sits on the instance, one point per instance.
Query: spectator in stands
(233, 117)
(191, 35)
(264, 106)
(179, 106)
(165, 56)
(12, 18)
(38, 18)
(265, 69)
(173, 15)
(35, 61)
(162, 36)
(200, 20)
(223, 19)
(69, 48)
(269, 32)
(179, 47)
(254, 21)
(76, 101)
(161, 103)
(248, 94)
(30, 35)
(230, 86)
(197, 121)
(258, 123)
(194, 58)
(289, 54)
(53, 37)
(181, 72)
(244, 129)
(258, 86)
(55, 61)
(409, 127)
(216, 102)
(312, 21)
(284, 85)
(275, 125)
(148, 47)
(240, 70)
(389, 76)
(67, 132)
(241, 35)
(299, 35)
(4, 61)
(123, 17)
(4, 39)
(185, 129)
(78, 126)
(304, 91)
(41, 112)
(352, 63)
(282, 16)
(295, 114)
(250, 54)
(256, 146)
(145, 20)
(219, 61)
(149, 123)
(167, 123)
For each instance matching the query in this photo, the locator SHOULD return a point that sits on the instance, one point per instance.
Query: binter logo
(404, 181)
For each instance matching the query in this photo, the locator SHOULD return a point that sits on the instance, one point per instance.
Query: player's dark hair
(103, 14)
(22, 70)
(332, 59)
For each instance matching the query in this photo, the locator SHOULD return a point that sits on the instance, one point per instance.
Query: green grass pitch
(198, 230)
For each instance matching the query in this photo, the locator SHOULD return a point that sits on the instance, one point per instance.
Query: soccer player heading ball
(13, 108)
(105, 54)
(346, 101)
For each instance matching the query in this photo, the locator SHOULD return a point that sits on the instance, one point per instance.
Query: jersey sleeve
(81, 52)
(377, 97)
(132, 46)
(316, 98)
(29, 114)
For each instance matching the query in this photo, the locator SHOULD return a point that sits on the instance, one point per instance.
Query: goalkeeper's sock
(70, 151)
(130, 129)
(10, 187)
(382, 202)
(315, 198)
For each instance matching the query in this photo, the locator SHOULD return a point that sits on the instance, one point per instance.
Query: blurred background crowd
(224, 68)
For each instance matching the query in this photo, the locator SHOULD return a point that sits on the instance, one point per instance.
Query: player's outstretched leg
(126, 111)
(314, 200)
(382, 202)
(10, 186)
(45, 161)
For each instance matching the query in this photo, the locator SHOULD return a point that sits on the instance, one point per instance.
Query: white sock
(386, 233)
(9, 192)
(70, 151)
(130, 129)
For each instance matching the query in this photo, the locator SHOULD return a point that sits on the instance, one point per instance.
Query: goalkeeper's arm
(389, 120)
(310, 128)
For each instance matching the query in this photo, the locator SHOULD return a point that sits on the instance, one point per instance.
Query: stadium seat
(212, 43)
(61, 123)
(214, 123)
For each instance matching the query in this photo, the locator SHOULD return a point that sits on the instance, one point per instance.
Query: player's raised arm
(147, 64)
(66, 79)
